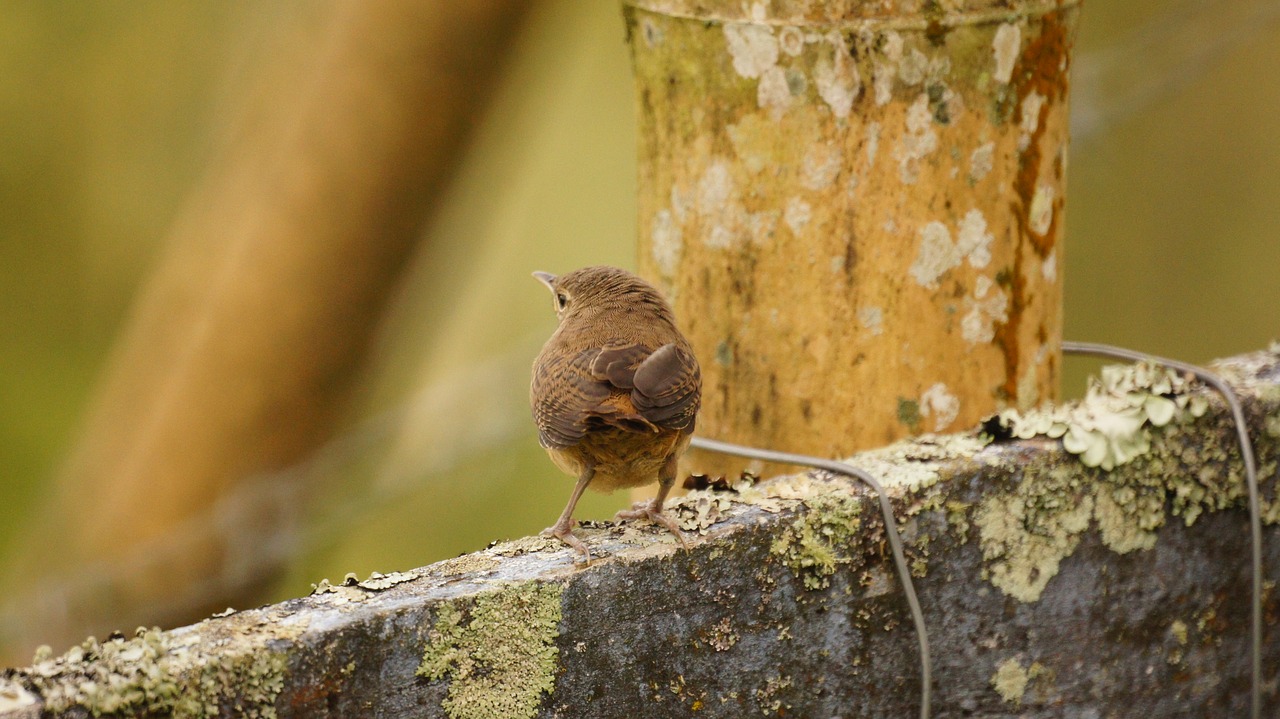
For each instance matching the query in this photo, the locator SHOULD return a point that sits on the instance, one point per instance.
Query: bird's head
(594, 289)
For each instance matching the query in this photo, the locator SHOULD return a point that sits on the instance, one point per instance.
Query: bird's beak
(545, 278)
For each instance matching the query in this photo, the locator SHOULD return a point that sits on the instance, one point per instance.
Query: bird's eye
(561, 300)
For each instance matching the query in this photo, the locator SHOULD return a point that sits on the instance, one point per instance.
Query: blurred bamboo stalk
(243, 343)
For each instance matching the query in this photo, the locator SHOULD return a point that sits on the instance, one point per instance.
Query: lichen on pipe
(856, 209)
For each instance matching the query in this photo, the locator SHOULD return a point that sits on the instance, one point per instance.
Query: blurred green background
(109, 113)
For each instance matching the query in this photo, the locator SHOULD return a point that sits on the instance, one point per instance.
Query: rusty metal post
(856, 208)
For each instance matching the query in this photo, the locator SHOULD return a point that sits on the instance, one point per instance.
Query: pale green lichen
(443, 652)
(376, 582)
(1025, 534)
(721, 636)
(474, 563)
(1178, 630)
(766, 696)
(1011, 680)
(920, 562)
(699, 510)
(503, 659)
(161, 673)
(917, 463)
(1270, 513)
(1112, 425)
(1136, 423)
(14, 697)
(816, 543)
(1126, 519)
(1273, 426)
(958, 518)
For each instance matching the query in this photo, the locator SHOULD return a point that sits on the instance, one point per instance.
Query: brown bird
(615, 390)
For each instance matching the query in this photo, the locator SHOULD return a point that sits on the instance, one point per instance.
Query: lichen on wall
(499, 653)
(829, 533)
(1144, 458)
(14, 696)
(1113, 425)
(818, 541)
(1169, 636)
(1024, 534)
(1011, 680)
(161, 673)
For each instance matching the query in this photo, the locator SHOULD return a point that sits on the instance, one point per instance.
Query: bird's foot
(648, 510)
(565, 534)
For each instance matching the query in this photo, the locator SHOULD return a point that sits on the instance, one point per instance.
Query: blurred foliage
(105, 119)
(109, 111)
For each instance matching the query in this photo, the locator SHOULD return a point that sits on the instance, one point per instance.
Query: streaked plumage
(616, 389)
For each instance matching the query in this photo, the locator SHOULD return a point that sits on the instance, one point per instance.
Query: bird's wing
(617, 364)
(628, 386)
(565, 394)
(667, 388)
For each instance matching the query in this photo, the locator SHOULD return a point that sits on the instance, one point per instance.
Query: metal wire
(891, 529)
(895, 540)
(1251, 480)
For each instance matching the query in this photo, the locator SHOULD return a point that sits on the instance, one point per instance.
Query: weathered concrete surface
(1050, 589)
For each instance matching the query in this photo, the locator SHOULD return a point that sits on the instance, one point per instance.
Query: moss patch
(504, 659)
(817, 542)
(161, 673)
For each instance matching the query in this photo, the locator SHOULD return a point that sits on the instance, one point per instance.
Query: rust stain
(1044, 68)
(850, 254)
(1007, 333)
(936, 33)
(313, 694)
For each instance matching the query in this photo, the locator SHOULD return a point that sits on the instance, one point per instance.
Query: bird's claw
(565, 534)
(646, 510)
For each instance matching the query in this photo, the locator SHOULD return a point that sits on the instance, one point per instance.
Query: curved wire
(891, 529)
(1251, 480)
(895, 541)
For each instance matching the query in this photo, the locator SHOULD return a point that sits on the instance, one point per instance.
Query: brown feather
(617, 370)
(615, 391)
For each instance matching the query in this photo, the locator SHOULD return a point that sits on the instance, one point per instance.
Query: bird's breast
(621, 458)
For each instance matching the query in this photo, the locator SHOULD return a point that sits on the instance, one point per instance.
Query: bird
(615, 391)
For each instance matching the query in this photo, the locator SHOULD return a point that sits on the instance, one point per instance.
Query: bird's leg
(653, 510)
(563, 528)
